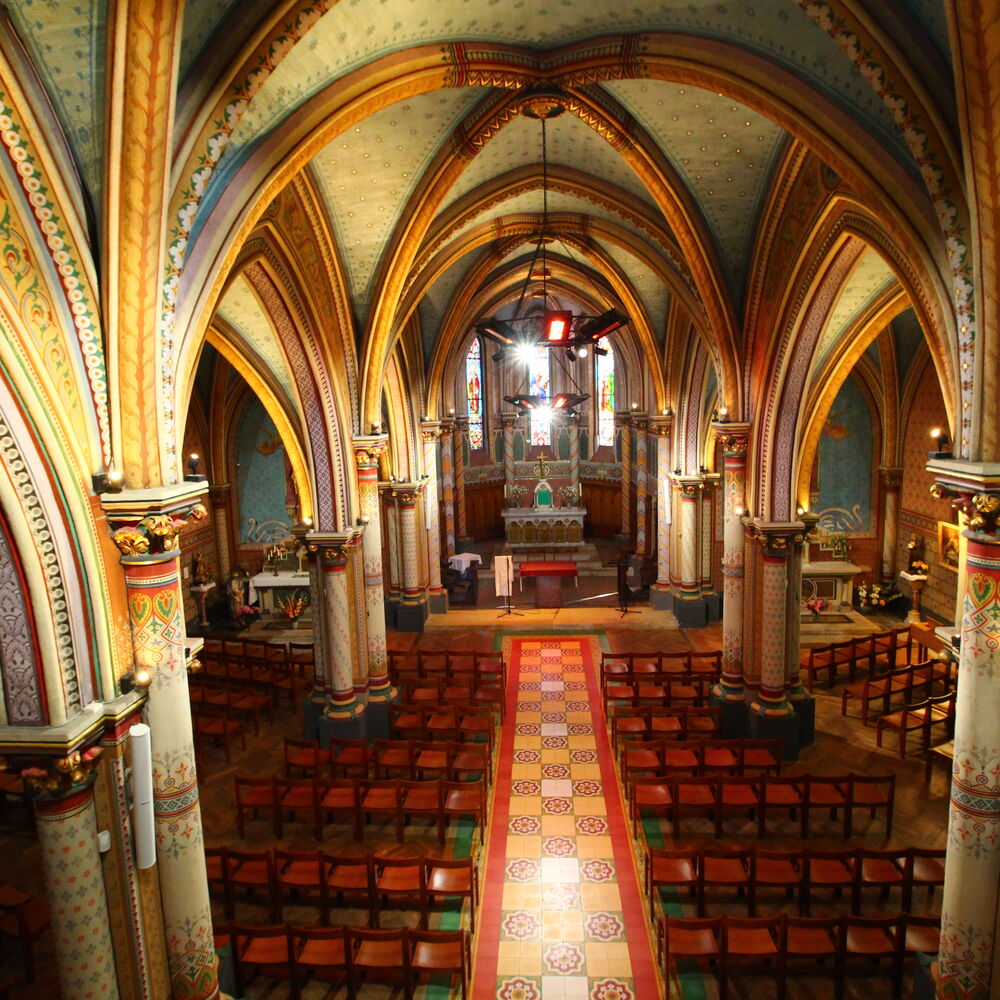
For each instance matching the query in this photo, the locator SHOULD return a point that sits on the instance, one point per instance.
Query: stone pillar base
(713, 606)
(690, 614)
(734, 713)
(761, 726)
(411, 617)
(661, 600)
(437, 603)
(377, 721)
(390, 609)
(348, 727)
(312, 710)
(805, 709)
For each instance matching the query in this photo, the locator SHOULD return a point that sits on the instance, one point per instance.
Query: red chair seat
(751, 941)
(693, 942)
(869, 941)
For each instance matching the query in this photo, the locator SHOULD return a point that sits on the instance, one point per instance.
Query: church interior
(499, 500)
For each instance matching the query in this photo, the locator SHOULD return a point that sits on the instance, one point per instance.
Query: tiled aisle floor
(562, 915)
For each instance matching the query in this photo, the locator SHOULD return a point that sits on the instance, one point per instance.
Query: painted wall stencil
(260, 477)
(845, 465)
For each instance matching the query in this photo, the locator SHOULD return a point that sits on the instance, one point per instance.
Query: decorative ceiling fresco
(201, 18)
(870, 277)
(367, 175)
(66, 41)
(654, 294)
(722, 149)
(242, 311)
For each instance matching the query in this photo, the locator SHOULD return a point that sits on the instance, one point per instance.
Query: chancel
(323, 323)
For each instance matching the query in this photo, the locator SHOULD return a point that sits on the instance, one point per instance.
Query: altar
(270, 588)
(832, 580)
(553, 527)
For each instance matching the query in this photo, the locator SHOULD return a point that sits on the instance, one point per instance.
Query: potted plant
(292, 607)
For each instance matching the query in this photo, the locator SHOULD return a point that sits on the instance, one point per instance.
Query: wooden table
(550, 575)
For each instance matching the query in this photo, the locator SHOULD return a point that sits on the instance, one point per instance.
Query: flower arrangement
(250, 610)
(919, 567)
(815, 604)
(876, 596)
(291, 607)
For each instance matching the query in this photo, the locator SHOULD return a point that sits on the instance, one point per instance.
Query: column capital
(54, 778)
(406, 494)
(508, 421)
(331, 547)
(974, 489)
(430, 430)
(623, 418)
(734, 436)
(147, 522)
(461, 424)
(890, 477)
(368, 449)
(661, 425)
(688, 486)
(777, 537)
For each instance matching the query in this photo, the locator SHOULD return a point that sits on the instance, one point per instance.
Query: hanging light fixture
(547, 327)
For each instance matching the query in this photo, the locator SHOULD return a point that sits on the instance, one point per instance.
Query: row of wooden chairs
(24, 919)
(713, 796)
(218, 725)
(665, 756)
(920, 718)
(415, 759)
(470, 723)
(801, 872)
(705, 664)
(272, 667)
(656, 689)
(879, 652)
(457, 691)
(907, 683)
(369, 882)
(446, 663)
(315, 801)
(243, 701)
(728, 941)
(650, 722)
(351, 956)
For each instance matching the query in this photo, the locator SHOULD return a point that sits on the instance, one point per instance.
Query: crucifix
(541, 468)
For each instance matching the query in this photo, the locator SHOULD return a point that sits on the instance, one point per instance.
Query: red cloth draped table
(550, 575)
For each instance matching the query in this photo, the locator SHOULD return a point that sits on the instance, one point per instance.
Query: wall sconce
(635, 406)
(363, 520)
(802, 510)
(138, 679)
(307, 521)
(192, 466)
(376, 428)
(739, 511)
(451, 411)
(723, 413)
(107, 482)
(677, 471)
(940, 438)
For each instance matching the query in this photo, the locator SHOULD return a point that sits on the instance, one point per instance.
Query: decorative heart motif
(141, 607)
(166, 604)
(982, 587)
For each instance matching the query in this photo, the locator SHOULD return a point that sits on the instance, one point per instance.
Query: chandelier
(549, 327)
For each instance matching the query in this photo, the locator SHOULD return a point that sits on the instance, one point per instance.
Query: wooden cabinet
(603, 502)
(483, 503)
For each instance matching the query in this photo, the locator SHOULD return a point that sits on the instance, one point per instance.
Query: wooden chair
(470, 760)
(257, 795)
(349, 758)
(652, 794)
(914, 718)
(816, 939)
(671, 868)
(824, 792)
(304, 758)
(740, 793)
(219, 725)
(297, 800)
(377, 955)
(23, 918)
(435, 953)
(883, 870)
(817, 660)
(831, 870)
(265, 950)
(693, 796)
(337, 798)
(453, 877)
(871, 792)
(725, 866)
(432, 759)
(298, 879)
(383, 798)
(464, 798)
(781, 792)
(393, 758)
(696, 938)
(399, 883)
(423, 799)
(251, 872)
(923, 867)
(318, 953)
(348, 877)
(778, 870)
(871, 938)
(752, 940)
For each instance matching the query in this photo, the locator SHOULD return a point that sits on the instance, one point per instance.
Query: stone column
(342, 710)
(219, 497)
(458, 456)
(689, 608)
(367, 451)
(66, 824)
(437, 596)
(660, 596)
(623, 422)
(394, 590)
(641, 494)
(968, 955)
(149, 524)
(713, 609)
(771, 712)
(573, 429)
(891, 481)
(448, 483)
(508, 421)
(413, 609)
(733, 438)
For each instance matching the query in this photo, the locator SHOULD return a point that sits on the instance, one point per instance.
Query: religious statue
(543, 490)
(199, 570)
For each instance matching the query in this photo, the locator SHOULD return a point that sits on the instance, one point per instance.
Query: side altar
(271, 587)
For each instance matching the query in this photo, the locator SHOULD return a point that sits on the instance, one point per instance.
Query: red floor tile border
(644, 977)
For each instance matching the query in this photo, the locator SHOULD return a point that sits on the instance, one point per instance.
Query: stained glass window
(474, 394)
(538, 385)
(604, 379)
